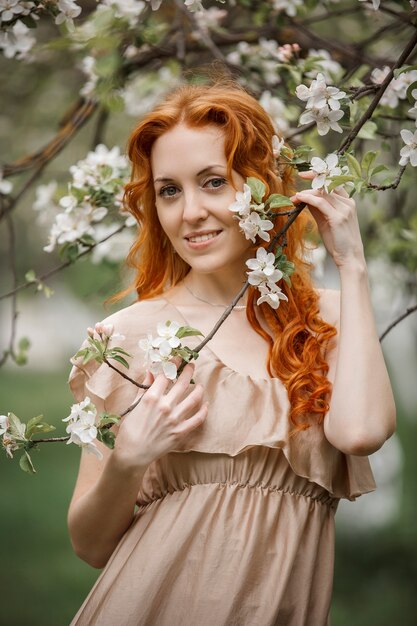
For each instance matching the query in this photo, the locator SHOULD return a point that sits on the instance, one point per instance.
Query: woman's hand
(161, 420)
(337, 221)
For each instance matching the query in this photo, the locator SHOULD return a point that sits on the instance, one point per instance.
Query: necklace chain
(223, 306)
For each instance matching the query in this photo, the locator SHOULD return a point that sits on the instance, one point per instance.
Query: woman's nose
(194, 208)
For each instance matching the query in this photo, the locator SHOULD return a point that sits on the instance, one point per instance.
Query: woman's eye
(215, 183)
(168, 191)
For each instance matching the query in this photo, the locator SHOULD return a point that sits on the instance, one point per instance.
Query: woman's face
(193, 195)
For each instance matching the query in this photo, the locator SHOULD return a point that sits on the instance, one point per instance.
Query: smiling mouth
(204, 237)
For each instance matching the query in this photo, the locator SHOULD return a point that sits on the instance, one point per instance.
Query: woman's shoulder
(139, 317)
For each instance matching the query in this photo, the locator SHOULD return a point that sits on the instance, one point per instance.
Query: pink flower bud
(99, 328)
(107, 329)
(90, 331)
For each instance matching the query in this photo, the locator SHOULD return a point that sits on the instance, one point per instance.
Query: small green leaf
(405, 68)
(368, 160)
(17, 428)
(108, 418)
(24, 343)
(257, 188)
(121, 360)
(411, 88)
(354, 165)
(30, 276)
(187, 331)
(26, 464)
(119, 350)
(379, 168)
(107, 437)
(276, 201)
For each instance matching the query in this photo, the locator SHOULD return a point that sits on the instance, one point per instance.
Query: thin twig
(408, 312)
(12, 256)
(393, 185)
(125, 376)
(60, 267)
(368, 113)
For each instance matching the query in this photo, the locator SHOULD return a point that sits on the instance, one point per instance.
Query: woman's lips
(202, 241)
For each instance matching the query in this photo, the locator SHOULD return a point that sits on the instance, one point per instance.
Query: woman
(236, 478)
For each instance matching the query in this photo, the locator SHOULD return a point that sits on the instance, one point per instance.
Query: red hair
(299, 336)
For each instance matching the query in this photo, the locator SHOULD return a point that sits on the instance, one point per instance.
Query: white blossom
(4, 424)
(5, 185)
(16, 41)
(413, 110)
(324, 170)
(88, 66)
(289, 6)
(375, 3)
(44, 202)
(155, 4)
(271, 294)
(99, 167)
(277, 145)
(10, 9)
(114, 248)
(253, 225)
(324, 63)
(242, 202)
(277, 111)
(159, 350)
(10, 444)
(68, 9)
(409, 152)
(210, 18)
(127, 9)
(82, 428)
(73, 224)
(319, 94)
(143, 92)
(263, 270)
(397, 87)
(324, 118)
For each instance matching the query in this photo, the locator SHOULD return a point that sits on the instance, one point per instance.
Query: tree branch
(408, 312)
(60, 267)
(12, 256)
(368, 113)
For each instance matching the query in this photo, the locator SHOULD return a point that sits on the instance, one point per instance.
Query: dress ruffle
(243, 412)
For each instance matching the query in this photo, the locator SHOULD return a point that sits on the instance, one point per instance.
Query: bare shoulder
(138, 318)
(329, 302)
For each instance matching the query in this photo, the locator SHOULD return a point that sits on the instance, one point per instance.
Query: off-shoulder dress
(236, 526)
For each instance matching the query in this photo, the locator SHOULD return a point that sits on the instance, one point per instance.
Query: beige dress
(236, 527)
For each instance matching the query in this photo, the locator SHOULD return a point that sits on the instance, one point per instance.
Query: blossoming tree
(344, 108)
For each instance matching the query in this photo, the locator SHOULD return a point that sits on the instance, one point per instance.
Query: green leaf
(30, 276)
(26, 463)
(107, 437)
(411, 88)
(187, 331)
(24, 344)
(257, 188)
(368, 159)
(368, 130)
(121, 360)
(276, 201)
(354, 165)
(17, 428)
(379, 168)
(119, 350)
(108, 418)
(405, 68)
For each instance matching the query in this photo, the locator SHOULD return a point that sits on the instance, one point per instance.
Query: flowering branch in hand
(162, 349)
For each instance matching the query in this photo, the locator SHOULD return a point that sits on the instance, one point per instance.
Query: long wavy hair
(298, 336)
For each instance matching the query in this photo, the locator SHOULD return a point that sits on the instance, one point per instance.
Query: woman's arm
(362, 410)
(102, 507)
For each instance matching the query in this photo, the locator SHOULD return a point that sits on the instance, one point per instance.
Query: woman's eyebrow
(163, 179)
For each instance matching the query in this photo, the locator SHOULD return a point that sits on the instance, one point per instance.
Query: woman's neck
(216, 288)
